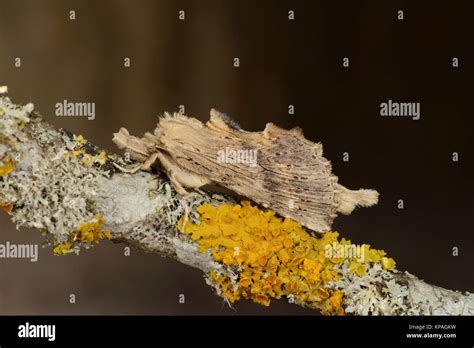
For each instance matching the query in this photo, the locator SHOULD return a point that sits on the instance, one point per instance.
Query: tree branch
(76, 194)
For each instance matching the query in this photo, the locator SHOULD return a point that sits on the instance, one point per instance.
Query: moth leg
(149, 161)
(126, 170)
(186, 214)
(172, 170)
(142, 166)
(177, 185)
(180, 178)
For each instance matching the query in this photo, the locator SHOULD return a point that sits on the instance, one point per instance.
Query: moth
(277, 168)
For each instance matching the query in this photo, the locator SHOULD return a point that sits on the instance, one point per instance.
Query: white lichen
(51, 190)
(15, 111)
(382, 292)
(124, 200)
(52, 195)
(374, 293)
(427, 299)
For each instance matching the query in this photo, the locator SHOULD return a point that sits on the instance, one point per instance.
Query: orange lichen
(86, 158)
(101, 158)
(91, 232)
(63, 248)
(87, 232)
(276, 257)
(6, 207)
(80, 148)
(7, 166)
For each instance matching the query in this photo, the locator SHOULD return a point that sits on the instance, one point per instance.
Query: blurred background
(282, 62)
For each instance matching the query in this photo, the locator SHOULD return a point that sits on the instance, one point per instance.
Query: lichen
(173, 206)
(55, 196)
(88, 233)
(12, 119)
(87, 153)
(273, 257)
(6, 166)
(6, 207)
(15, 113)
(51, 189)
(376, 292)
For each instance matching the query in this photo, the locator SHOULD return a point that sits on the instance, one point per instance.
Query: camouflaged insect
(277, 168)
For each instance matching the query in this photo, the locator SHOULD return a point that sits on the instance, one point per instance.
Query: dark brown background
(282, 63)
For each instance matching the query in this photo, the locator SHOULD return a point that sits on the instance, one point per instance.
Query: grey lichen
(51, 189)
(383, 292)
(426, 299)
(375, 293)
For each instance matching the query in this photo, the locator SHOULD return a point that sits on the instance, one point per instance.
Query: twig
(61, 184)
